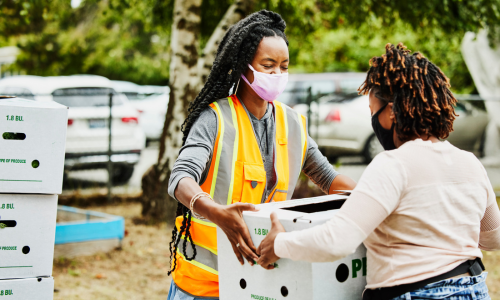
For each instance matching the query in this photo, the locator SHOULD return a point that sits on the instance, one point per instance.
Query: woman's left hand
(266, 248)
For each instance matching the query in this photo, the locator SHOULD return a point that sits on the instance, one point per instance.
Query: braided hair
(423, 102)
(236, 50)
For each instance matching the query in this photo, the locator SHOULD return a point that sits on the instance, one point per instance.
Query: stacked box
(41, 288)
(344, 279)
(32, 147)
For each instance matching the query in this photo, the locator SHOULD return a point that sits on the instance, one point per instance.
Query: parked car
(152, 111)
(321, 84)
(150, 101)
(344, 127)
(135, 92)
(129, 89)
(87, 97)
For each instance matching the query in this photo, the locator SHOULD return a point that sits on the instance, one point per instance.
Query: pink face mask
(267, 86)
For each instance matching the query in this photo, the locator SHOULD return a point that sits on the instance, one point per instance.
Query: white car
(152, 111)
(344, 126)
(135, 92)
(150, 101)
(87, 97)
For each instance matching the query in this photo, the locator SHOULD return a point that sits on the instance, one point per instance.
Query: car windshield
(17, 91)
(287, 95)
(85, 97)
(132, 96)
(340, 97)
(351, 85)
(296, 92)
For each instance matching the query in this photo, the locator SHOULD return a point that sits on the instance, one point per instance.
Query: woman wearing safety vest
(240, 148)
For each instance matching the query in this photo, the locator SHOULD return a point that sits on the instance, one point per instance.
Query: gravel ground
(139, 270)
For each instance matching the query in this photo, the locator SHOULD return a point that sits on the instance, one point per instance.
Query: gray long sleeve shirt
(194, 156)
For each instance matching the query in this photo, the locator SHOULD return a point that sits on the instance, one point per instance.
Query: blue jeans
(177, 294)
(465, 288)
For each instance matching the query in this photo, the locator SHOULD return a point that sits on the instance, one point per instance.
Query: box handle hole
(342, 273)
(7, 223)
(35, 164)
(243, 283)
(13, 136)
(284, 291)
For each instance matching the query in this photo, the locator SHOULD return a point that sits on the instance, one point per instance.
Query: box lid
(21, 102)
(316, 208)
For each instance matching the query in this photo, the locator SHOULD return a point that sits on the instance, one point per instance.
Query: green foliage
(451, 16)
(125, 40)
(129, 39)
(348, 49)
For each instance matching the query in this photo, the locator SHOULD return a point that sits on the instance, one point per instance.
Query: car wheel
(122, 173)
(372, 148)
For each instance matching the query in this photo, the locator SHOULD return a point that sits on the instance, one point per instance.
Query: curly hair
(236, 50)
(423, 102)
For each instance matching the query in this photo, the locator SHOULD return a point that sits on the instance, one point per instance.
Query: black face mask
(385, 136)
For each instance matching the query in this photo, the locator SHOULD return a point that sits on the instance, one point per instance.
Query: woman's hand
(266, 249)
(230, 220)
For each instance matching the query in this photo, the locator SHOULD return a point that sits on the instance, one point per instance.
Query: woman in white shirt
(423, 209)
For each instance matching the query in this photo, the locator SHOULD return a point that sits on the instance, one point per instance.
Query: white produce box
(28, 288)
(27, 236)
(32, 143)
(344, 279)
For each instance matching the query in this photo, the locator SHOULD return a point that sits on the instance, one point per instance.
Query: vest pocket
(279, 195)
(254, 182)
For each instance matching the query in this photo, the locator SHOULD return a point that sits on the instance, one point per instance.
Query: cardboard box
(27, 230)
(32, 143)
(344, 279)
(28, 288)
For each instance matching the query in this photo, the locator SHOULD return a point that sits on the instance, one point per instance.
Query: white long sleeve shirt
(421, 210)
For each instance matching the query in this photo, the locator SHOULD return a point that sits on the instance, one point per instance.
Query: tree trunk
(184, 44)
(187, 75)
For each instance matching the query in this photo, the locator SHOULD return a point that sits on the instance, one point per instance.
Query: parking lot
(89, 181)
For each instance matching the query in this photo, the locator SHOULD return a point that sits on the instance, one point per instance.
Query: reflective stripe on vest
(237, 174)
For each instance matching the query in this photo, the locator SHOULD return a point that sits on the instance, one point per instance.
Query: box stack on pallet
(32, 144)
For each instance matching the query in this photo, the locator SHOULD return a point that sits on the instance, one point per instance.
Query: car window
(321, 87)
(287, 96)
(132, 96)
(318, 88)
(17, 91)
(460, 107)
(85, 97)
(351, 85)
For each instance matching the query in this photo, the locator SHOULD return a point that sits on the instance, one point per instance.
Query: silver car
(342, 126)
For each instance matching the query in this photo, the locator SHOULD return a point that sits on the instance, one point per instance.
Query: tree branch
(237, 11)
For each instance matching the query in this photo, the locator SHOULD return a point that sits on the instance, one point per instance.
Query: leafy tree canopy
(129, 39)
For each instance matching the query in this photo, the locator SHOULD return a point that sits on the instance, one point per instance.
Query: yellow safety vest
(237, 174)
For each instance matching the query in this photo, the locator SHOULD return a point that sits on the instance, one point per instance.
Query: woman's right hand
(230, 219)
